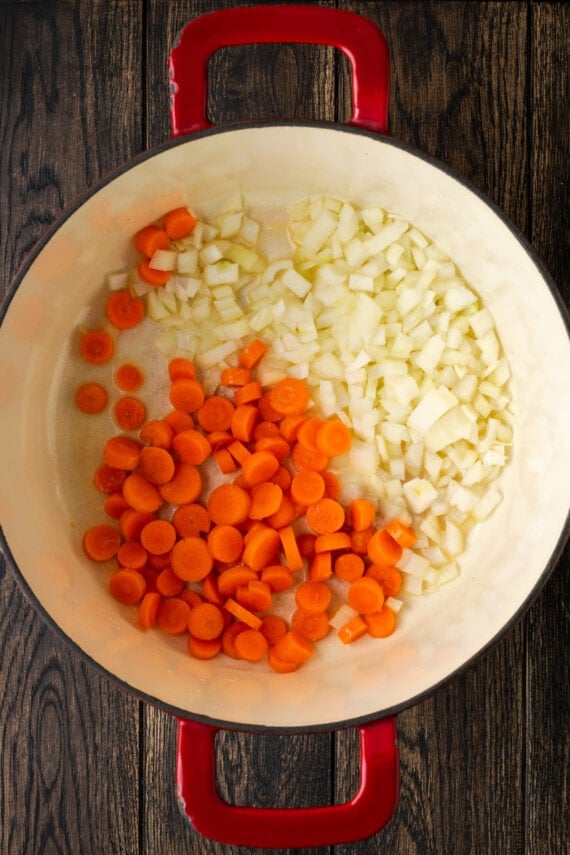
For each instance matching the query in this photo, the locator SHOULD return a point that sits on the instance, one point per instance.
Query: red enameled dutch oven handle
(288, 828)
(357, 37)
(376, 799)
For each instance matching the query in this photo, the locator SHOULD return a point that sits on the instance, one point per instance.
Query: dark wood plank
(548, 688)
(68, 738)
(461, 98)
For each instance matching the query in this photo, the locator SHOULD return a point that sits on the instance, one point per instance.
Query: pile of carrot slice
(211, 565)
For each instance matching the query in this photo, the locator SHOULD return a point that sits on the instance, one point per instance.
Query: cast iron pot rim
(465, 666)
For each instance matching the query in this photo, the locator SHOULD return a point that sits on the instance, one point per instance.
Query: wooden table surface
(485, 762)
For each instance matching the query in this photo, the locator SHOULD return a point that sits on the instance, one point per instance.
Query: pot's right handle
(356, 36)
(287, 828)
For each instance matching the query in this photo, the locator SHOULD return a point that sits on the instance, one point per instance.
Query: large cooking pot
(507, 560)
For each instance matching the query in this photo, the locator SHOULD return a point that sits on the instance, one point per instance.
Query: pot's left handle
(368, 812)
(361, 41)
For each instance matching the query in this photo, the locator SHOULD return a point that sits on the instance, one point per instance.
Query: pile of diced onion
(390, 337)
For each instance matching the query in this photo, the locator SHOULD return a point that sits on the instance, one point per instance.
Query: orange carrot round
(123, 310)
(251, 645)
(179, 223)
(352, 630)
(129, 377)
(148, 609)
(158, 537)
(181, 367)
(186, 394)
(97, 346)
(127, 586)
(156, 464)
(261, 548)
(206, 621)
(251, 354)
(108, 479)
(289, 396)
(91, 398)
(229, 580)
(101, 542)
(200, 649)
(326, 516)
(185, 485)
(149, 239)
(191, 520)
(349, 566)
(132, 554)
(172, 616)
(192, 446)
(216, 413)
(313, 597)
(225, 543)
(304, 458)
(382, 549)
(141, 494)
(293, 647)
(168, 583)
(228, 504)
(259, 466)
(273, 627)
(157, 432)
(278, 577)
(312, 626)
(307, 487)
(151, 275)
(365, 595)
(191, 559)
(361, 513)
(265, 500)
(382, 623)
(122, 452)
(389, 578)
(129, 412)
(333, 438)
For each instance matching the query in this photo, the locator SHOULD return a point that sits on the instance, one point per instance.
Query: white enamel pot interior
(46, 466)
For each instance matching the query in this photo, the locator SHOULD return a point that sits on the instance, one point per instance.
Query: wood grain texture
(482, 86)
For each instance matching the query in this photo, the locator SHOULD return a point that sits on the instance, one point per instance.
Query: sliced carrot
(267, 412)
(200, 649)
(191, 597)
(266, 500)
(141, 494)
(282, 477)
(123, 310)
(359, 540)
(312, 626)
(228, 504)
(101, 542)
(264, 429)
(219, 439)
(285, 513)
(251, 645)
(305, 458)
(181, 367)
(191, 520)
(320, 567)
(239, 451)
(281, 666)
(229, 580)
(108, 479)
(151, 275)
(185, 485)
(349, 566)
(289, 427)
(132, 523)
(235, 376)
(191, 446)
(307, 433)
(255, 596)
(229, 635)
(186, 394)
(275, 444)
(289, 396)
(261, 548)
(382, 623)
(352, 630)
(389, 578)
(129, 412)
(115, 504)
(216, 413)
(326, 516)
(278, 577)
(158, 537)
(313, 597)
(178, 421)
(206, 621)
(179, 223)
(332, 484)
(332, 542)
(172, 615)
(248, 393)
(242, 614)
(244, 419)
(383, 549)
(290, 548)
(191, 559)
(273, 627)
(132, 554)
(97, 346)
(129, 377)
(251, 354)
(157, 432)
(122, 452)
(156, 464)
(361, 513)
(365, 595)
(307, 487)
(148, 609)
(210, 589)
(402, 534)
(225, 461)
(293, 647)
(225, 543)
(91, 398)
(149, 239)
(259, 466)
(127, 586)
(333, 438)
(168, 583)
